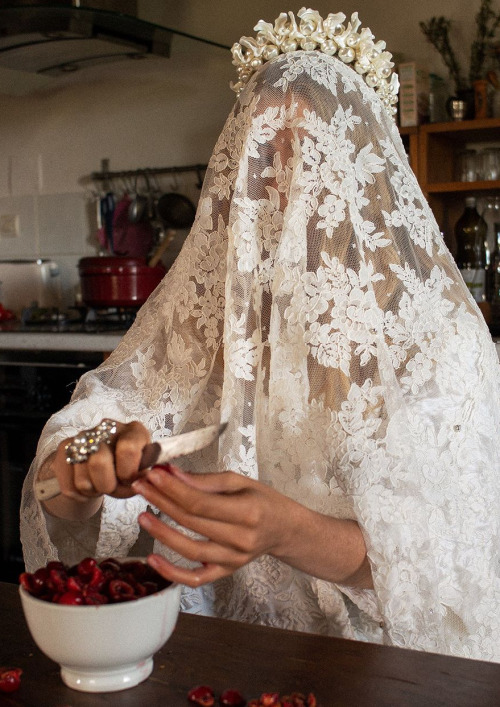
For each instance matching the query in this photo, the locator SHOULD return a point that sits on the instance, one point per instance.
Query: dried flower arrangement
(437, 31)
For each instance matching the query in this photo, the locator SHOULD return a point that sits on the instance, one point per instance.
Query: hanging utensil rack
(106, 176)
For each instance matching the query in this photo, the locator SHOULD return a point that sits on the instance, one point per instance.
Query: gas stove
(74, 319)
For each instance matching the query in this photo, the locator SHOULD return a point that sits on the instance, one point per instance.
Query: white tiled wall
(152, 113)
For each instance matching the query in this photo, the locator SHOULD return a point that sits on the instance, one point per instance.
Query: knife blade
(159, 452)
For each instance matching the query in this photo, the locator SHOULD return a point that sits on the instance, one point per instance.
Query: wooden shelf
(447, 187)
(411, 130)
(438, 147)
(480, 130)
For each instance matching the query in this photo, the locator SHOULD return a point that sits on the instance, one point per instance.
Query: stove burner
(77, 319)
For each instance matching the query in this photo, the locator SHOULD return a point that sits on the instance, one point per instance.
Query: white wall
(151, 113)
(395, 22)
(138, 114)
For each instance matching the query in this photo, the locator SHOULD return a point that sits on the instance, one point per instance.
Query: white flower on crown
(330, 36)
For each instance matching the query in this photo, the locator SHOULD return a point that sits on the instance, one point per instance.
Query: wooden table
(256, 659)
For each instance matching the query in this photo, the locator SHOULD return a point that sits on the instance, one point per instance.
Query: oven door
(33, 385)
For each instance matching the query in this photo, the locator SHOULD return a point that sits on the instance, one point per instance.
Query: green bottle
(470, 233)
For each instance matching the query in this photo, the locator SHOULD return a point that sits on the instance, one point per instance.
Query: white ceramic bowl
(107, 647)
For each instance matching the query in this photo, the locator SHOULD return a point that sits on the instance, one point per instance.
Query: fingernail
(154, 475)
(153, 561)
(138, 486)
(145, 520)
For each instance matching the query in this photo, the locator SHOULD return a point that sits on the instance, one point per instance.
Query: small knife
(159, 452)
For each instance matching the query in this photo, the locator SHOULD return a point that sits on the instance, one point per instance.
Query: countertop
(256, 659)
(54, 340)
(59, 341)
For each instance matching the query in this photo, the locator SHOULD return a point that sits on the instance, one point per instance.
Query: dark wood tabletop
(256, 659)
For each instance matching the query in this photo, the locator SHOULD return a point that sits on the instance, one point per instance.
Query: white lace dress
(315, 307)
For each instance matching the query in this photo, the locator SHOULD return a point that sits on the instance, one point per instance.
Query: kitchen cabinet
(433, 149)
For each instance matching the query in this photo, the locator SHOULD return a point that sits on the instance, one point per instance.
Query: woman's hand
(110, 470)
(241, 519)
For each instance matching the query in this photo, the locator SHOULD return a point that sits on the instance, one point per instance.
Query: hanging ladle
(139, 206)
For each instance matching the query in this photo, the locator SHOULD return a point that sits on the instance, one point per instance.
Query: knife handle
(171, 448)
(49, 488)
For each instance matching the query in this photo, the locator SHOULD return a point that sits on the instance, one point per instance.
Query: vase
(481, 108)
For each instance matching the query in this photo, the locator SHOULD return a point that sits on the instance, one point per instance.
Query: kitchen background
(156, 112)
(54, 132)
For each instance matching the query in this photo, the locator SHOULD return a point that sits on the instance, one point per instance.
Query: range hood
(49, 39)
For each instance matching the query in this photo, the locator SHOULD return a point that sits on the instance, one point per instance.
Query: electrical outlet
(9, 225)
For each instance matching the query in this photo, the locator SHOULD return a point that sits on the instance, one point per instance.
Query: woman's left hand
(241, 519)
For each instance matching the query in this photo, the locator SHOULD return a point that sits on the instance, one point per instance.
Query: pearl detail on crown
(329, 36)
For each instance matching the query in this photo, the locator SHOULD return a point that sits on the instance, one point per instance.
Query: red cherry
(10, 679)
(97, 578)
(120, 591)
(86, 567)
(55, 565)
(296, 699)
(26, 581)
(109, 565)
(71, 598)
(232, 698)
(103, 582)
(139, 570)
(39, 580)
(57, 579)
(74, 584)
(270, 699)
(95, 598)
(202, 695)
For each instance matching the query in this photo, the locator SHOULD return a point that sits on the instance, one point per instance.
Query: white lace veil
(315, 307)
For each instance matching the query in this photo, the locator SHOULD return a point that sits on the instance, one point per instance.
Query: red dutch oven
(116, 281)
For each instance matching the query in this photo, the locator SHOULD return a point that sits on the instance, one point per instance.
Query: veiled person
(316, 309)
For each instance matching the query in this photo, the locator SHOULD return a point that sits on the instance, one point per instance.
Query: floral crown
(329, 36)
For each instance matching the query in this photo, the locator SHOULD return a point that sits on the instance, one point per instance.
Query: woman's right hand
(110, 470)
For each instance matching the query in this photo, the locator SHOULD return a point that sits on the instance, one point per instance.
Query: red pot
(114, 281)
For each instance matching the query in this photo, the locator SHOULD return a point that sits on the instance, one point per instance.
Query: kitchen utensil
(159, 452)
(134, 240)
(168, 237)
(176, 210)
(114, 281)
(107, 208)
(139, 206)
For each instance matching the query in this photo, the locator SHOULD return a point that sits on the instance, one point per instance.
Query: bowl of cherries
(101, 620)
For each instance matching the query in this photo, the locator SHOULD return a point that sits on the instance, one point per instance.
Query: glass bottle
(493, 278)
(471, 236)
(493, 284)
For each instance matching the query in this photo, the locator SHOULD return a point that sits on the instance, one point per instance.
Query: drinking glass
(467, 166)
(490, 158)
